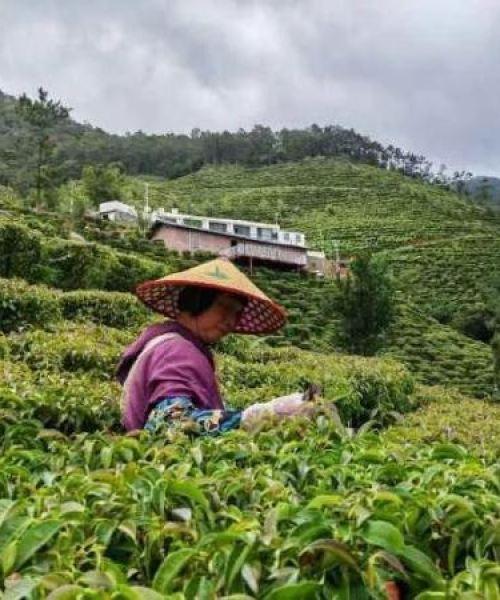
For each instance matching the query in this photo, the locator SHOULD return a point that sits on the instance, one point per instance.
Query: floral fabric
(177, 408)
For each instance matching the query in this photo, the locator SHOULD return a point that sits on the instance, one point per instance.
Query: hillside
(435, 353)
(174, 155)
(389, 482)
(358, 205)
(296, 510)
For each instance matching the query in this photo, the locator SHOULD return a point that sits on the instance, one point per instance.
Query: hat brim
(260, 315)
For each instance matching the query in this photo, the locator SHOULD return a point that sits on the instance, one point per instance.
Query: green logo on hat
(218, 274)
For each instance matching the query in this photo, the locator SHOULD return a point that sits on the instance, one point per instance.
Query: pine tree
(42, 115)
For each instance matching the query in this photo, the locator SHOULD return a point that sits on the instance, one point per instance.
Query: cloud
(422, 75)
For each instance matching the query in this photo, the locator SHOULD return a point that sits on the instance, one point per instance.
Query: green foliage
(22, 305)
(476, 321)
(447, 417)
(362, 389)
(20, 250)
(361, 207)
(113, 309)
(438, 355)
(174, 156)
(449, 276)
(42, 115)
(327, 507)
(77, 265)
(72, 348)
(303, 510)
(365, 304)
(495, 345)
(102, 183)
(54, 400)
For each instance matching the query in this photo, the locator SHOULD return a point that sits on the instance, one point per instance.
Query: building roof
(159, 215)
(117, 206)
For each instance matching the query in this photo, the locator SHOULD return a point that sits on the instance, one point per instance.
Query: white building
(266, 232)
(117, 211)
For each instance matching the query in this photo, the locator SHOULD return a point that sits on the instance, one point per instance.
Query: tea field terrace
(360, 206)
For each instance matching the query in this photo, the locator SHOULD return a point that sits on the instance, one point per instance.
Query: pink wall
(184, 240)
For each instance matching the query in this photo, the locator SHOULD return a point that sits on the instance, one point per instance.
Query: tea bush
(439, 355)
(449, 417)
(20, 250)
(113, 309)
(72, 348)
(22, 305)
(362, 389)
(50, 400)
(299, 511)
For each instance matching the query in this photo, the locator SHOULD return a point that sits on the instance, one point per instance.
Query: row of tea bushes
(23, 305)
(70, 347)
(439, 355)
(446, 416)
(301, 511)
(361, 389)
(70, 265)
(52, 400)
(20, 250)
(450, 275)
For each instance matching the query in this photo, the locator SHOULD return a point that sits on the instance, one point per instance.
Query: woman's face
(220, 319)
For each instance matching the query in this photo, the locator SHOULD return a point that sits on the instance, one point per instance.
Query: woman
(169, 372)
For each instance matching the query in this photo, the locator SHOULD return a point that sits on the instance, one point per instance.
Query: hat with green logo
(260, 315)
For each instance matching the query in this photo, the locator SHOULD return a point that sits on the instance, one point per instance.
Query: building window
(298, 238)
(286, 236)
(219, 227)
(192, 222)
(264, 233)
(242, 230)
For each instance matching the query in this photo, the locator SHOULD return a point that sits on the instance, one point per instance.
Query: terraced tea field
(390, 483)
(359, 206)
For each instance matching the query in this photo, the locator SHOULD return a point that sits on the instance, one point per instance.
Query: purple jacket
(178, 367)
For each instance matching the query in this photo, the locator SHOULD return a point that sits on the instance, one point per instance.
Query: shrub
(22, 304)
(20, 250)
(130, 271)
(361, 388)
(113, 309)
(477, 322)
(71, 347)
(77, 265)
(76, 403)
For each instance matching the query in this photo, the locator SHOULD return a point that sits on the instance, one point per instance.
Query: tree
(42, 115)
(103, 183)
(495, 346)
(484, 192)
(365, 303)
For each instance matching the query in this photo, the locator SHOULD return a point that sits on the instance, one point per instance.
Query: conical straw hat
(261, 314)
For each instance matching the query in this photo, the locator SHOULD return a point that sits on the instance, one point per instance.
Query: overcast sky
(422, 74)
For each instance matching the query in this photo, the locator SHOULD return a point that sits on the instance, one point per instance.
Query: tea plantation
(395, 480)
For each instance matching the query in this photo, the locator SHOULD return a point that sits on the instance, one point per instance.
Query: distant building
(117, 211)
(239, 240)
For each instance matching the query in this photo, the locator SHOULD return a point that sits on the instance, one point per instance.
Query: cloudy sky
(422, 74)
